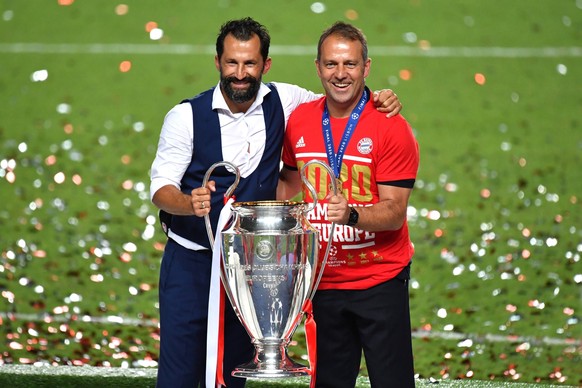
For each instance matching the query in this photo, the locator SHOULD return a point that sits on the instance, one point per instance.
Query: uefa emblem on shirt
(365, 145)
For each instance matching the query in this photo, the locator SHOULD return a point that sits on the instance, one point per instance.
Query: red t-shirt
(381, 149)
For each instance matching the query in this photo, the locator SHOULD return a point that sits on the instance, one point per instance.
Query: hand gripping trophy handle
(313, 193)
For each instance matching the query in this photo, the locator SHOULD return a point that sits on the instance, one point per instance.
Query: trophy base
(261, 370)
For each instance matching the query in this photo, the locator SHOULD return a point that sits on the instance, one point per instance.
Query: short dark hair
(244, 29)
(346, 31)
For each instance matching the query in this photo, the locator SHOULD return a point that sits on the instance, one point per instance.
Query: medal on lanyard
(335, 158)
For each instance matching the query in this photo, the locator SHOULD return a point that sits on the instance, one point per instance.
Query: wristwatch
(353, 218)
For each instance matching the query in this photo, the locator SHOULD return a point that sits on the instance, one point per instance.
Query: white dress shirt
(242, 135)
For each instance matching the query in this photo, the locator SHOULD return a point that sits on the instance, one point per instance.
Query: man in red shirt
(362, 301)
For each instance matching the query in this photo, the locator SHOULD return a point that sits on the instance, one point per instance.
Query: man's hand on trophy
(200, 199)
(338, 210)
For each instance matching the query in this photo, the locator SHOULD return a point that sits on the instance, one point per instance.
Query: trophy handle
(227, 195)
(311, 189)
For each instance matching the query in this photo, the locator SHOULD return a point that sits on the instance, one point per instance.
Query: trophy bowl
(269, 269)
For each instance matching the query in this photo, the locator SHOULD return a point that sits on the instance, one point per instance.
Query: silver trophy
(270, 267)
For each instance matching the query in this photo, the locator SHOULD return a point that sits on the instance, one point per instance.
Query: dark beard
(240, 96)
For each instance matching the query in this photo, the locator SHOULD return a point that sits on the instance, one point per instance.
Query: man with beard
(242, 120)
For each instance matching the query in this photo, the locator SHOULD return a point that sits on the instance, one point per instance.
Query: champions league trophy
(270, 268)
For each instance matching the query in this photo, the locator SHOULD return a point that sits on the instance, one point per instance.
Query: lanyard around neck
(335, 159)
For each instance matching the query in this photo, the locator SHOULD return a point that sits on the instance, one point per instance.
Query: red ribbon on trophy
(311, 339)
(216, 306)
